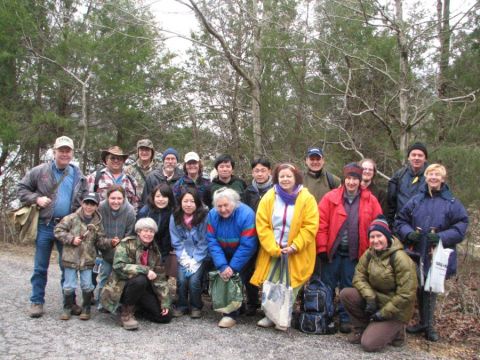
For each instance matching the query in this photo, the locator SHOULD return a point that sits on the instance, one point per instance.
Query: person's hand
(227, 273)
(165, 312)
(43, 201)
(77, 240)
(323, 256)
(377, 317)
(288, 250)
(370, 307)
(151, 275)
(433, 239)
(115, 241)
(414, 237)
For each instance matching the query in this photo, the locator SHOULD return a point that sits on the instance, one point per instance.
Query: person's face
(286, 180)
(188, 204)
(115, 200)
(159, 200)
(434, 179)
(417, 159)
(193, 167)
(352, 184)
(315, 162)
(378, 241)
(225, 170)
(368, 171)
(170, 162)
(89, 208)
(146, 235)
(144, 154)
(63, 155)
(115, 163)
(261, 173)
(224, 207)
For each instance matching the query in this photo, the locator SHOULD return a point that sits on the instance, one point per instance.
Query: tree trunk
(443, 26)
(255, 87)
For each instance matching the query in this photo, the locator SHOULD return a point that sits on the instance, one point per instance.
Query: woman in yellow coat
(286, 222)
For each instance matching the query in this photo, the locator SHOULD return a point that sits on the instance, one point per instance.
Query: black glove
(414, 237)
(433, 239)
(371, 307)
(323, 257)
(377, 317)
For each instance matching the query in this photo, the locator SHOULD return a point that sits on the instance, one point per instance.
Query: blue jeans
(104, 274)
(43, 250)
(70, 283)
(339, 273)
(191, 285)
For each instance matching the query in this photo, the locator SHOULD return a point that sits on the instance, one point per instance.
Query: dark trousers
(376, 335)
(251, 290)
(138, 291)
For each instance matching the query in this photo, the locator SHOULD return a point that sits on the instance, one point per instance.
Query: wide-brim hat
(114, 150)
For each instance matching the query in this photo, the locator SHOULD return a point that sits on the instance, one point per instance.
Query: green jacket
(319, 186)
(83, 256)
(126, 265)
(393, 287)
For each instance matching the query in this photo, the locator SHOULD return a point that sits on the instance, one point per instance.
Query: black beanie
(417, 146)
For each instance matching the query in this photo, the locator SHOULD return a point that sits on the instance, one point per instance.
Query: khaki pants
(376, 335)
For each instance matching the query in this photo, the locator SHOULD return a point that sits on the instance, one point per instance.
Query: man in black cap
(316, 179)
(407, 181)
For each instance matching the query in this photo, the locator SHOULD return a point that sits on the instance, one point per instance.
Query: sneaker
(178, 312)
(281, 328)
(196, 314)
(36, 310)
(345, 327)
(227, 322)
(265, 323)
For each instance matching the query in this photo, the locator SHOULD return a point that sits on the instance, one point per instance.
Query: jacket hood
(123, 209)
(97, 218)
(445, 192)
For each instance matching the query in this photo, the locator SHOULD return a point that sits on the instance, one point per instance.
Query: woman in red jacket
(345, 214)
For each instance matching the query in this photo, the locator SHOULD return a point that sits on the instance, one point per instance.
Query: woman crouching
(138, 280)
(382, 300)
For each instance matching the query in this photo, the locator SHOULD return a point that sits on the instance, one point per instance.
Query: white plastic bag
(277, 297)
(438, 269)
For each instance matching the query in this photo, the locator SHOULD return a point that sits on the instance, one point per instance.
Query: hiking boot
(345, 327)
(127, 316)
(76, 309)
(178, 312)
(265, 323)
(399, 339)
(416, 329)
(196, 314)
(87, 296)
(227, 322)
(68, 301)
(431, 334)
(355, 337)
(36, 310)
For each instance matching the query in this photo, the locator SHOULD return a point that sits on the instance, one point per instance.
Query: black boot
(68, 300)
(430, 333)
(421, 326)
(87, 301)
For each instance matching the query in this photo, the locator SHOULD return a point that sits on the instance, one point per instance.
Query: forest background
(359, 78)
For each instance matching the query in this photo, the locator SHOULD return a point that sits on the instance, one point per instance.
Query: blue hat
(169, 151)
(314, 151)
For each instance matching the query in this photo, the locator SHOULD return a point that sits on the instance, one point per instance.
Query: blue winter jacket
(232, 241)
(440, 212)
(193, 241)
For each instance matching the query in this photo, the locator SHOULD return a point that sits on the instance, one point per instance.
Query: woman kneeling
(383, 297)
(138, 280)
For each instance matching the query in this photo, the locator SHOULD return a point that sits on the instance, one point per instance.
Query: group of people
(149, 222)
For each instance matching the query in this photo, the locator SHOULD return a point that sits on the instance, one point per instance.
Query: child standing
(80, 232)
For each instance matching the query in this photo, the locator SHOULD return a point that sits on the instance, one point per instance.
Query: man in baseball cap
(144, 164)
(317, 179)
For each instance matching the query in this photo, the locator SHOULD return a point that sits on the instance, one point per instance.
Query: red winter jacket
(333, 215)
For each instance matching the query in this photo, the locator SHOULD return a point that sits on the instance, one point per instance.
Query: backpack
(317, 312)
(330, 181)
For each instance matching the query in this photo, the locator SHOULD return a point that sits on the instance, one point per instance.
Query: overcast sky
(174, 17)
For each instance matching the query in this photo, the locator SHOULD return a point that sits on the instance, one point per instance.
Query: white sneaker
(265, 323)
(227, 322)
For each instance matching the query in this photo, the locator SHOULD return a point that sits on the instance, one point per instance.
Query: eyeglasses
(260, 171)
(115, 158)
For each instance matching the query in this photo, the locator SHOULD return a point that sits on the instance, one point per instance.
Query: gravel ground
(102, 338)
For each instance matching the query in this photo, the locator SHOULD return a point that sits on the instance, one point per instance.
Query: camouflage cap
(145, 143)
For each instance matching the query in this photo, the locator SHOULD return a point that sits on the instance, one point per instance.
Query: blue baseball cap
(314, 151)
